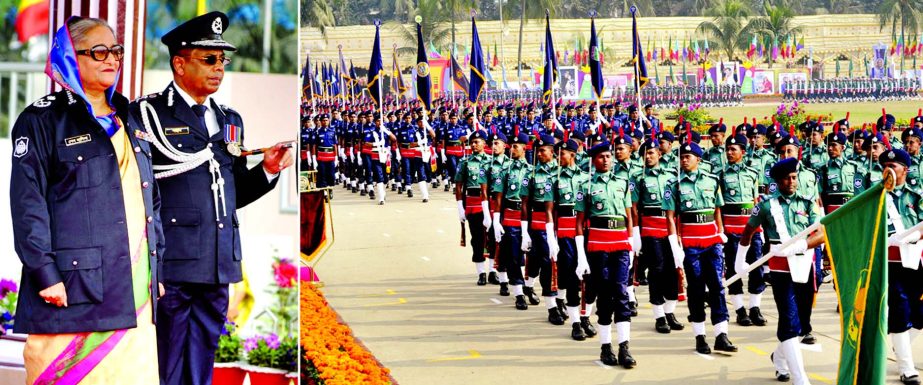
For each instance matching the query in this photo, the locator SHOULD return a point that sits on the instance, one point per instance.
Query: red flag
(31, 19)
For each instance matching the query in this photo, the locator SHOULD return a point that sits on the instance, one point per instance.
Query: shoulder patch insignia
(21, 148)
(667, 194)
(756, 210)
(857, 183)
(42, 103)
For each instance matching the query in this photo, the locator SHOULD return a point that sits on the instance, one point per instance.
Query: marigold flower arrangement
(331, 355)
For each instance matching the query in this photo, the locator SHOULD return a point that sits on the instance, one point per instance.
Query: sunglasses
(212, 59)
(101, 52)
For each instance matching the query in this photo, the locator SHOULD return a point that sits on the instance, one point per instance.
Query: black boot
(756, 317)
(625, 357)
(808, 339)
(633, 308)
(521, 303)
(504, 289)
(363, 192)
(701, 345)
(577, 332)
(394, 188)
(446, 187)
(781, 377)
(554, 317)
(674, 323)
(742, 318)
(355, 190)
(660, 324)
(492, 278)
(910, 380)
(607, 357)
(410, 193)
(722, 343)
(530, 293)
(562, 310)
(482, 279)
(372, 194)
(587, 326)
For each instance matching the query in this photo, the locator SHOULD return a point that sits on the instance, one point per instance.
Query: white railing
(20, 84)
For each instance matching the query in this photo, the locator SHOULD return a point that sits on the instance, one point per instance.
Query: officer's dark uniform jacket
(69, 217)
(201, 248)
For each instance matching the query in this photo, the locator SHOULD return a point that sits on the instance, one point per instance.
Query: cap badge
(217, 27)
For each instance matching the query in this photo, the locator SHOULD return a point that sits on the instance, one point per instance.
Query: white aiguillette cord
(184, 161)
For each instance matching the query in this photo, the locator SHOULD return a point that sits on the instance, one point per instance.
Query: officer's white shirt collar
(211, 120)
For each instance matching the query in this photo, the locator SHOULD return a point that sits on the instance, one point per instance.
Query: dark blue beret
(691, 148)
(599, 148)
(894, 155)
(783, 168)
(569, 145)
(544, 140)
(885, 123)
(738, 139)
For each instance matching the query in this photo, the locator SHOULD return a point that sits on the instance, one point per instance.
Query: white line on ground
(386, 235)
(705, 356)
(440, 231)
(425, 259)
(496, 301)
(602, 365)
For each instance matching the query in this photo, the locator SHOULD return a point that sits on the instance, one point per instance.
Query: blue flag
(477, 66)
(306, 82)
(458, 76)
(352, 74)
(551, 65)
(637, 51)
(375, 67)
(596, 70)
(424, 83)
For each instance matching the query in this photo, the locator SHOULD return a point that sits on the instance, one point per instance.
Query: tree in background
(776, 25)
(727, 27)
(903, 14)
(435, 26)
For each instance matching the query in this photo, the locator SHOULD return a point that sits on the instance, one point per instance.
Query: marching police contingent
(850, 90)
(590, 202)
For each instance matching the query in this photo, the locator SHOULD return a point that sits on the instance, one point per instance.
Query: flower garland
(334, 356)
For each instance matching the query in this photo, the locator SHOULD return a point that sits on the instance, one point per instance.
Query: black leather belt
(453, 143)
(408, 146)
(700, 217)
(566, 211)
(324, 149)
(611, 223)
(653, 212)
(473, 191)
(511, 205)
(837, 199)
(737, 208)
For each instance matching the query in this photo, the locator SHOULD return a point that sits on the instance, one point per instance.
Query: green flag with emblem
(856, 238)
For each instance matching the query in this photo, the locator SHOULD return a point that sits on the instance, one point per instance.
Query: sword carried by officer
(795, 261)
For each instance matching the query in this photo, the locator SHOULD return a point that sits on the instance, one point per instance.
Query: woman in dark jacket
(85, 220)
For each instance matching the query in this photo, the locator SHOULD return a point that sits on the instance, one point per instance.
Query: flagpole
(638, 73)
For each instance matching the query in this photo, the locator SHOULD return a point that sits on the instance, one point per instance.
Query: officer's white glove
(352, 155)
(308, 158)
(724, 238)
(740, 260)
(583, 267)
(336, 162)
(359, 161)
(498, 227)
(461, 211)
(636, 239)
(442, 152)
(798, 247)
(526, 239)
(397, 155)
(552, 241)
(314, 159)
(678, 254)
(343, 152)
(486, 221)
(893, 240)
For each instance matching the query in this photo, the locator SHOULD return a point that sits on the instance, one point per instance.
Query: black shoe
(363, 192)
(425, 200)
(381, 203)
(492, 278)
(446, 188)
(355, 190)
(409, 193)
(587, 326)
(562, 309)
(482, 279)
(554, 317)
(756, 317)
(701, 345)
(808, 339)
(504, 289)
(633, 308)
(530, 292)
(742, 318)
(912, 380)
(722, 343)
(371, 195)
(661, 326)
(625, 357)
(521, 303)
(577, 332)
(783, 377)
(607, 357)
(674, 323)
(642, 281)
(435, 184)
(394, 188)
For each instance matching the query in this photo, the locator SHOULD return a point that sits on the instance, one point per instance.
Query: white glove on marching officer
(798, 247)
(740, 260)
(724, 238)
(461, 211)
(498, 227)
(893, 240)
(678, 254)
(314, 159)
(636, 239)
(486, 222)
(552, 241)
(442, 152)
(397, 155)
(583, 267)
(526, 239)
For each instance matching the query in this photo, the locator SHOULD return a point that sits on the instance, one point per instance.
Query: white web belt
(184, 161)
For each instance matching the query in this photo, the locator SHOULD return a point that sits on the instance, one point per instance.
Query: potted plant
(228, 369)
(9, 292)
(270, 359)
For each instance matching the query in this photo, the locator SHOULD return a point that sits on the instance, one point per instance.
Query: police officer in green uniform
(607, 209)
(715, 154)
(693, 205)
(542, 244)
(912, 138)
(625, 168)
(885, 123)
(839, 175)
(570, 186)
(471, 198)
(738, 183)
(499, 162)
(782, 216)
(667, 157)
(874, 146)
(647, 205)
(760, 157)
(512, 184)
(815, 153)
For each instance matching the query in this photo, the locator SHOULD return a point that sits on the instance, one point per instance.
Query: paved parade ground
(398, 277)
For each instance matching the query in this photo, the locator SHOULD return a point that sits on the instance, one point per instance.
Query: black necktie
(200, 112)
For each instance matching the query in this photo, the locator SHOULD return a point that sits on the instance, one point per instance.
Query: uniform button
(221, 225)
(75, 263)
(137, 149)
(153, 252)
(209, 145)
(145, 184)
(173, 220)
(180, 145)
(150, 219)
(80, 158)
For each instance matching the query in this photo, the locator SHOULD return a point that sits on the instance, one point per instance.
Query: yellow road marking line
(756, 350)
(387, 292)
(820, 378)
(400, 301)
(472, 354)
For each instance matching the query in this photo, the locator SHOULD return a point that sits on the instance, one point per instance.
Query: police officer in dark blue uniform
(199, 203)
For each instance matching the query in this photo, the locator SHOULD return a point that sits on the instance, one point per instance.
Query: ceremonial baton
(287, 144)
(759, 262)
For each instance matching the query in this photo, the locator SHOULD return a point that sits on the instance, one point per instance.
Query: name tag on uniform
(77, 139)
(142, 135)
(176, 130)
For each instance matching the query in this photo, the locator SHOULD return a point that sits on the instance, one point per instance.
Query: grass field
(866, 112)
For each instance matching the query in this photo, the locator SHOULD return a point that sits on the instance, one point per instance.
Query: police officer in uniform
(715, 155)
(541, 242)
(814, 154)
(324, 152)
(471, 198)
(199, 206)
(499, 162)
(511, 185)
(912, 138)
(785, 214)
